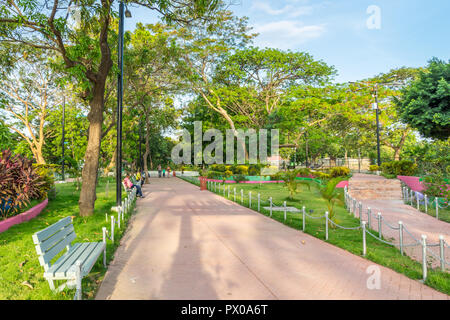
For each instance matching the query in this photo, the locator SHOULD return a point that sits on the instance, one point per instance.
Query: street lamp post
(140, 149)
(377, 112)
(122, 15)
(306, 148)
(63, 133)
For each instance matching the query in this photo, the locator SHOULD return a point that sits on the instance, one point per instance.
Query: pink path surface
(412, 182)
(417, 223)
(342, 184)
(188, 244)
(25, 216)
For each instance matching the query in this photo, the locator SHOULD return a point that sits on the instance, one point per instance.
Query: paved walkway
(416, 222)
(189, 244)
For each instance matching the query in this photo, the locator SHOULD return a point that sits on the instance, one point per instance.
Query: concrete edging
(24, 216)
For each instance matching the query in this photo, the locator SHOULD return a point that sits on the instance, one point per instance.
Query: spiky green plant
(291, 182)
(329, 193)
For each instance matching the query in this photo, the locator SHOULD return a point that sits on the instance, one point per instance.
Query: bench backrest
(52, 240)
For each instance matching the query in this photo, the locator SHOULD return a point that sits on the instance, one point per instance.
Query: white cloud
(288, 10)
(286, 34)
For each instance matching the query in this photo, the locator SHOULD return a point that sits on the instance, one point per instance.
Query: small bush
(374, 168)
(228, 173)
(399, 168)
(214, 174)
(321, 175)
(240, 178)
(240, 170)
(47, 173)
(304, 172)
(277, 176)
(218, 167)
(339, 172)
(436, 186)
(252, 171)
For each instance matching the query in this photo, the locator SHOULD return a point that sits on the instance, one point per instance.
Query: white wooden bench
(75, 263)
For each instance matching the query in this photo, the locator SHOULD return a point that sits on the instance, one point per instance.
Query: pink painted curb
(232, 181)
(342, 184)
(24, 216)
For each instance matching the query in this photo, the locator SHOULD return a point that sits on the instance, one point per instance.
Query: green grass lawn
(350, 240)
(443, 213)
(21, 276)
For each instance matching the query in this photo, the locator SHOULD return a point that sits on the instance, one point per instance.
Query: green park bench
(75, 263)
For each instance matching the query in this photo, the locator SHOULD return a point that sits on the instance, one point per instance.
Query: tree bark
(91, 159)
(396, 154)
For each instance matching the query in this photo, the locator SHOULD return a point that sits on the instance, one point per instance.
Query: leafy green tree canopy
(425, 105)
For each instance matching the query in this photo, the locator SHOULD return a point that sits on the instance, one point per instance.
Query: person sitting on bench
(130, 185)
(140, 177)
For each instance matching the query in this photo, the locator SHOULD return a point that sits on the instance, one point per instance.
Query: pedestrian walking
(159, 170)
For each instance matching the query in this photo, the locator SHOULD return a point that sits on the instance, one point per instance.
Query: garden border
(24, 216)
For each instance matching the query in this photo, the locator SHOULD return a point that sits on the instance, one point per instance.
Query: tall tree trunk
(91, 158)
(88, 193)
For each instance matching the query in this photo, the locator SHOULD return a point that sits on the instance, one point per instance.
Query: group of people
(131, 182)
(163, 171)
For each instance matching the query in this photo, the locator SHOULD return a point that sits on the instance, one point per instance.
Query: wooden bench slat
(92, 258)
(47, 244)
(87, 253)
(67, 260)
(39, 236)
(50, 254)
(82, 253)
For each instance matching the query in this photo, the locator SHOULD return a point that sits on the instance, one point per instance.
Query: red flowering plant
(19, 183)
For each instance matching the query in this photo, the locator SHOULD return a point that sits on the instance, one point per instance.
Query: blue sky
(335, 31)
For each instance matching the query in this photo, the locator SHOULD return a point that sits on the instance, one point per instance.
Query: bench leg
(104, 242)
(51, 284)
(78, 280)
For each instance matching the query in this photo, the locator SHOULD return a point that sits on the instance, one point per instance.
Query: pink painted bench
(24, 216)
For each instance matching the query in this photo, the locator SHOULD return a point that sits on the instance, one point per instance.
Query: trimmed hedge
(399, 168)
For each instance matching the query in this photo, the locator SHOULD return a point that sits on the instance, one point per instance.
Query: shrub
(47, 173)
(214, 174)
(228, 173)
(240, 170)
(304, 172)
(399, 168)
(19, 182)
(277, 176)
(339, 172)
(218, 167)
(240, 178)
(321, 175)
(374, 167)
(436, 186)
(252, 171)
(291, 182)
